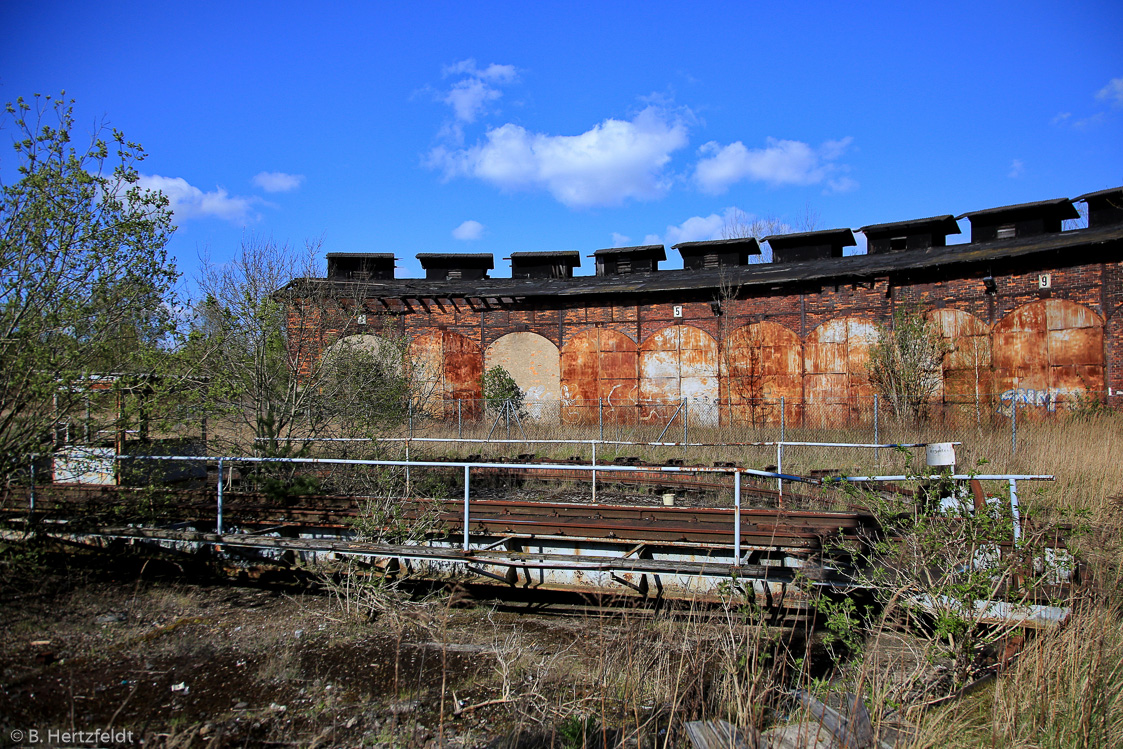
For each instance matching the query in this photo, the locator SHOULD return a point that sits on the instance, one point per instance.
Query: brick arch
(679, 362)
(447, 368)
(534, 363)
(760, 364)
(836, 382)
(967, 376)
(1047, 352)
(599, 368)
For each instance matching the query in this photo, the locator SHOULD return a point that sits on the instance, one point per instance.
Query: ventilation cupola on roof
(809, 245)
(360, 266)
(455, 266)
(618, 261)
(1105, 207)
(717, 253)
(544, 264)
(1022, 220)
(916, 234)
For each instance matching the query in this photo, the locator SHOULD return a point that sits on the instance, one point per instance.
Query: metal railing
(593, 468)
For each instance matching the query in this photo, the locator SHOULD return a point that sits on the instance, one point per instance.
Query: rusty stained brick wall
(679, 362)
(1052, 347)
(809, 347)
(599, 371)
(761, 367)
(449, 367)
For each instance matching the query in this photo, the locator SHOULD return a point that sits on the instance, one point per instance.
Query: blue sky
(505, 127)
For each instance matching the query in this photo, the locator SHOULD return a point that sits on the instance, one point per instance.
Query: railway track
(795, 530)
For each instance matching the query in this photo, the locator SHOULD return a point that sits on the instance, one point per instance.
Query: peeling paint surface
(762, 363)
(1052, 346)
(533, 361)
(679, 363)
(836, 363)
(448, 367)
(967, 374)
(599, 368)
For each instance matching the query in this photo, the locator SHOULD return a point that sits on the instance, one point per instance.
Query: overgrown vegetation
(500, 391)
(906, 364)
(86, 287)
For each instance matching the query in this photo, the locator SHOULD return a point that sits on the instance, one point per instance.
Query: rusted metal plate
(836, 361)
(1046, 353)
(535, 364)
(599, 370)
(762, 363)
(967, 375)
(448, 367)
(679, 362)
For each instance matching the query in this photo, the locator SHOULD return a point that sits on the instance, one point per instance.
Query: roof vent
(544, 264)
(717, 253)
(456, 266)
(618, 261)
(1105, 207)
(1022, 220)
(916, 234)
(360, 266)
(809, 245)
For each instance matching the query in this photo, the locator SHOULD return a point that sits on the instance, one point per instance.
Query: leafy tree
(906, 364)
(247, 379)
(500, 388)
(85, 283)
(261, 323)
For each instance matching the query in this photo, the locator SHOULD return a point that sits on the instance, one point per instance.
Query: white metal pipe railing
(1012, 479)
(533, 441)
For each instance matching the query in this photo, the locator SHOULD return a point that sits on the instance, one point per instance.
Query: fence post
(594, 472)
(876, 433)
(507, 416)
(1015, 511)
(783, 419)
(780, 447)
(411, 417)
(780, 468)
(466, 470)
(459, 418)
(407, 469)
(31, 493)
(600, 417)
(685, 425)
(737, 519)
(1014, 424)
(218, 525)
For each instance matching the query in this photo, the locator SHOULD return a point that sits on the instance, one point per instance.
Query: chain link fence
(698, 430)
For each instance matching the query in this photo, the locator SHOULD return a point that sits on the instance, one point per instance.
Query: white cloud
(780, 162)
(468, 230)
(1017, 168)
(614, 161)
(188, 201)
(1061, 118)
(470, 96)
(700, 228)
(277, 181)
(1112, 92)
(620, 240)
(493, 72)
(1089, 122)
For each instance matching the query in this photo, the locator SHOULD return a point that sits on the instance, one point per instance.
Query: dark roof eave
(945, 224)
(756, 275)
(1062, 205)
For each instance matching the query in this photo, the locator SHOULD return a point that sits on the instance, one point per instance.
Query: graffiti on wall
(1030, 397)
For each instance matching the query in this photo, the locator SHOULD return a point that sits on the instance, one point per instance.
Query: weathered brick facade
(1037, 319)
